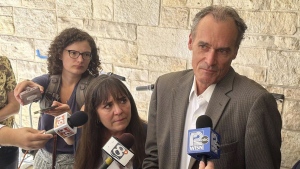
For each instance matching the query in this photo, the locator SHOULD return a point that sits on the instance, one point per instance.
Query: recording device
(65, 125)
(203, 142)
(118, 150)
(142, 88)
(46, 109)
(30, 94)
(122, 78)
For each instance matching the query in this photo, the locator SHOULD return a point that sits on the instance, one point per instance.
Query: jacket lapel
(218, 102)
(219, 99)
(180, 101)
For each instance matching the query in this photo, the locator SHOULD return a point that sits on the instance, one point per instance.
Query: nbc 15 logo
(197, 140)
(118, 151)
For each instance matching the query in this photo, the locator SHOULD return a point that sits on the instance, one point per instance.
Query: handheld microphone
(122, 78)
(142, 88)
(118, 150)
(65, 125)
(203, 142)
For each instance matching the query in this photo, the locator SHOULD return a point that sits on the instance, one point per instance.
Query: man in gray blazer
(242, 111)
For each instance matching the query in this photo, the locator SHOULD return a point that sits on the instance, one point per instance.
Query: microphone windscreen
(127, 140)
(203, 122)
(78, 118)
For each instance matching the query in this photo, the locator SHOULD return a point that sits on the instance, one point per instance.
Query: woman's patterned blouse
(7, 84)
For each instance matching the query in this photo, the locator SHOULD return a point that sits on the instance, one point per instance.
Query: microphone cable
(23, 159)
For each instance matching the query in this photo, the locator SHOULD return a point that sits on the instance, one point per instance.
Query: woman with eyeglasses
(73, 56)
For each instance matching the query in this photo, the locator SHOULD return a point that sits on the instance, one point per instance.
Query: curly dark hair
(66, 38)
(92, 138)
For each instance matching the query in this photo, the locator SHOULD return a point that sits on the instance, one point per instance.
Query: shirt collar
(206, 94)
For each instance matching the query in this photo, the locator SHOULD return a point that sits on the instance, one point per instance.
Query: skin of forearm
(11, 108)
(6, 136)
(69, 140)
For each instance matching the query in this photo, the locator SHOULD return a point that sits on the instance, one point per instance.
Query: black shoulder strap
(55, 81)
(81, 89)
(51, 92)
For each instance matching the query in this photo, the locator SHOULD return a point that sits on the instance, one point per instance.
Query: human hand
(69, 140)
(82, 108)
(22, 87)
(210, 165)
(26, 138)
(62, 108)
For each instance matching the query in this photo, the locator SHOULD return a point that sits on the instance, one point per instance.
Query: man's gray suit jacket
(242, 112)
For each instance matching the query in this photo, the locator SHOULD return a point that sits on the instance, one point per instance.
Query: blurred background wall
(143, 39)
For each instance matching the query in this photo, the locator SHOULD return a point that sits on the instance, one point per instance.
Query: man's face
(213, 47)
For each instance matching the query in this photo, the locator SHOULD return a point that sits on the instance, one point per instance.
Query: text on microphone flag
(118, 151)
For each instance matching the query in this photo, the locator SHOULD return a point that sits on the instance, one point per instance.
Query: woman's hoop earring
(98, 122)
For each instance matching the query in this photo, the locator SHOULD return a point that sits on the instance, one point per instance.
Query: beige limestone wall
(142, 39)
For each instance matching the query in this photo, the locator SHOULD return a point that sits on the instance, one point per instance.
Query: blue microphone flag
(203, 141)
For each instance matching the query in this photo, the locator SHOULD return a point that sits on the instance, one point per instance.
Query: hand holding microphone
(210, 165)
(65, 125)
(118, 150)
(203, 142)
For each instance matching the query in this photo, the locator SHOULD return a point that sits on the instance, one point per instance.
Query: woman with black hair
(112, 111)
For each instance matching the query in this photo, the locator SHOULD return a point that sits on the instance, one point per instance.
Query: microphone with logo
(203, 142)
(118, 150)
(65, 125)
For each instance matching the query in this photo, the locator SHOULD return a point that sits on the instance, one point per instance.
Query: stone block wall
(143, 39)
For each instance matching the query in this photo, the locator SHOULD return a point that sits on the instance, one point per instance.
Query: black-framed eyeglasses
(75, 54)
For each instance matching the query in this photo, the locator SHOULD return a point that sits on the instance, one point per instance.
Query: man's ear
(190, 43)
(235, 53)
